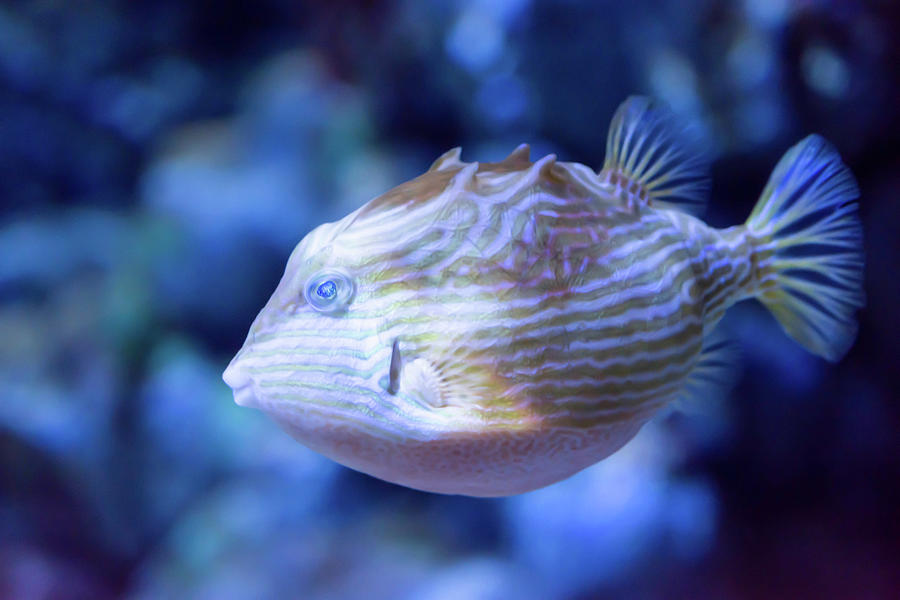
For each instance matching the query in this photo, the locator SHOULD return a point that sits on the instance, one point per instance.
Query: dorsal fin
(650, 154)
(447, 160)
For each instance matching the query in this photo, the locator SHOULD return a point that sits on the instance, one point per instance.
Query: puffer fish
(487, 329)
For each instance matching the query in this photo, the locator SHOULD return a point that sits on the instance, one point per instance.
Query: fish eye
(326, 290)
(329, 291)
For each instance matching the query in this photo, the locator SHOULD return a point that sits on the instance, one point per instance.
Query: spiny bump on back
(544, 165)
(463, 177)
(518, 160)
(447, 160)
(522, 153)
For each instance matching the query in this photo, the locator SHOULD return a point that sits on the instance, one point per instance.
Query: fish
(487, 329)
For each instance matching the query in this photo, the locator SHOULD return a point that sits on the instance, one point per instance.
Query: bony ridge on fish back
(491, 328)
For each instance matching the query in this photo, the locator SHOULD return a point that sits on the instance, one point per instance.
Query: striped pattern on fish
(489, 328)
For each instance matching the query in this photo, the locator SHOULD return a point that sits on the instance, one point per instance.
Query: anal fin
(713, 376)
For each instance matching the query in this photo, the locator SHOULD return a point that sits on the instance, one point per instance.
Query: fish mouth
(241, 384)
(394, 371)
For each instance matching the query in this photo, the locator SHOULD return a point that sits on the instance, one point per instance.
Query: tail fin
(810, 248)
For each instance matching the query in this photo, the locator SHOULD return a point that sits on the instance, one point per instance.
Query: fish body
(491, 328)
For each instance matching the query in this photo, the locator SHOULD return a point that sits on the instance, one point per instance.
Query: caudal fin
(810, 248)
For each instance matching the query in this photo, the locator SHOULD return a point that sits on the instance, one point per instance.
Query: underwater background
(160, 159)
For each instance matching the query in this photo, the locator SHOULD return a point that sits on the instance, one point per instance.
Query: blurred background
(158, 162)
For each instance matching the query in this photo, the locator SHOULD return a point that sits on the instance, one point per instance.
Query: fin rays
(713, 375)
(807, 221)
(647, 147)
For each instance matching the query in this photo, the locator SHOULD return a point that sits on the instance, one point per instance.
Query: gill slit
(394, 371)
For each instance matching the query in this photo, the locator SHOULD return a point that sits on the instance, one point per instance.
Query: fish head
(355, 356)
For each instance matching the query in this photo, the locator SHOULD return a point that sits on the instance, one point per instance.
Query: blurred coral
(161, 159)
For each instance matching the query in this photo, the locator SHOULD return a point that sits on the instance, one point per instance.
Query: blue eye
(326, 290)
(329, 291)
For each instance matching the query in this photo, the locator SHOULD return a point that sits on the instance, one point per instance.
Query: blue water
(159, 160)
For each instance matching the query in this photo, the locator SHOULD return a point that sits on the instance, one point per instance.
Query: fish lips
(237, 378)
